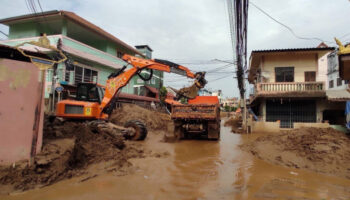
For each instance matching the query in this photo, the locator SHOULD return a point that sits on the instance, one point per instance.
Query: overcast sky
(195, 32)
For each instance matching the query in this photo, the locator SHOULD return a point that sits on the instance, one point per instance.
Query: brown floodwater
(199, 169)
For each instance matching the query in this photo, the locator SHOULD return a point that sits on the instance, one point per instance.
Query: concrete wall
(334, 76)
(22, 110)
(274, 127)
(315, 125)
(300, 62)
(321, 74)
(322, 105)
(264, 127)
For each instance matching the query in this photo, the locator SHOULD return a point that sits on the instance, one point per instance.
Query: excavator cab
(86, 104)
(89, 92)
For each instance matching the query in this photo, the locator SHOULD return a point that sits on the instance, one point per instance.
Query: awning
(338, 95)
(152, 89)
(90, 57)
(173, 102)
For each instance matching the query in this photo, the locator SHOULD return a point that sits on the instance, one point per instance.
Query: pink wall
(21, 107)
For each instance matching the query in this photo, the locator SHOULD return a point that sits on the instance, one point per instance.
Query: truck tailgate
(195, 112)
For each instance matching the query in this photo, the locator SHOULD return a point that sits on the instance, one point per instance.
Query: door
(290, 111)
(310, 76)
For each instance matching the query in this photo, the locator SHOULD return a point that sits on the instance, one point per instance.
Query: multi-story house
(290, 88)
(94, 53)
(143, 87)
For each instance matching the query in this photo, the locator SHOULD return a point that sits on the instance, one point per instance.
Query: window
(310, 76)
(136, 90)
(332, 59)
(139, 80)
(78, 76)
(339, 82)
(284, 74)
(331, 84)
(119, 54)
(153, 81)
(82, 74)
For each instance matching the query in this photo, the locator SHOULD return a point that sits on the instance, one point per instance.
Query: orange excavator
(94, 102)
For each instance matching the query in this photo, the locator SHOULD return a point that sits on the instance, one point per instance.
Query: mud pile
(69, 149)
(153, 120)
(235, 122)
(321, 150)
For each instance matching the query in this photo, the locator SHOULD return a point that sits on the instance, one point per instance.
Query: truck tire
(140, 129)
(178, 130)
(214, 130)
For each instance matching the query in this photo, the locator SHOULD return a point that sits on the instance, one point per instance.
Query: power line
(4, 33)
(287, 27)
(42, 12)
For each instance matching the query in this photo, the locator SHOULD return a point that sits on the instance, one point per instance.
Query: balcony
(289, 89)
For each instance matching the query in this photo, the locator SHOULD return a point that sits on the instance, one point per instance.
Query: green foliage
(183, 100)
(229, 109)
(162, 94)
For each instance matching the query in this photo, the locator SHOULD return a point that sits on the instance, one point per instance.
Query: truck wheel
(178, 131)
(139, 127)
(214, 130)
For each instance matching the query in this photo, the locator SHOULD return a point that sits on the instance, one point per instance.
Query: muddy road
(198, 170)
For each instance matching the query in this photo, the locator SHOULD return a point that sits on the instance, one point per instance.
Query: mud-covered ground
(318, 149)
(73, 149)
(235, 122)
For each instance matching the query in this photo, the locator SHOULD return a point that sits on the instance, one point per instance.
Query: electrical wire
(287, 27)
(4, 33)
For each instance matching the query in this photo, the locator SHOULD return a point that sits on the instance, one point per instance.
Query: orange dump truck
(199, 118)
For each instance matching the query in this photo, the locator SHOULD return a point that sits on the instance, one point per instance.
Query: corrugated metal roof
(294, 49)
(338, 95)
(72, 16)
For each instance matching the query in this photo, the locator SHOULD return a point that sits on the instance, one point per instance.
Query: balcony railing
(285, 87)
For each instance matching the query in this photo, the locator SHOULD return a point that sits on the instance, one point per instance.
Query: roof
(256, 55)
(338, 95)
(90, 57)
(136, 97)
(75, 18)
(152, 89)
(143, 46)
(12, 53)
(294, 49)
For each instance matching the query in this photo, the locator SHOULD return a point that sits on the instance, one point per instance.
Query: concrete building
(231, 102)
(334, 81)
(139, 85)
(93, 52)
(219, 94)
(290, 89)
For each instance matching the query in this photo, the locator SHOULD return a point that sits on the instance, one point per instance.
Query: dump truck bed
(201, 116)
(195, 112)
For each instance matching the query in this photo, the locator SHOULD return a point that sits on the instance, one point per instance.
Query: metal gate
(290, 111)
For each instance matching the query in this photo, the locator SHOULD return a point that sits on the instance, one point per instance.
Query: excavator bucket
(344, 60)
(191, 92)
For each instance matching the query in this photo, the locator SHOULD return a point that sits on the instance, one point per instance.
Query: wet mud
(197, 169)
(317, 149)
(153, 120)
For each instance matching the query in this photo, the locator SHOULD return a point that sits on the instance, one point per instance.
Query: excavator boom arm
(114, 84)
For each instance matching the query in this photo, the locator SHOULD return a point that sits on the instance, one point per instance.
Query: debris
(69, 148)
(153, 120)
(235, 122)
(324, 150)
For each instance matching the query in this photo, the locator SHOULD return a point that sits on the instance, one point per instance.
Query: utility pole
(238, 19)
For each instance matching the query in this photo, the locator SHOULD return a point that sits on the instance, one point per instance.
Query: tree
(162, 94)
